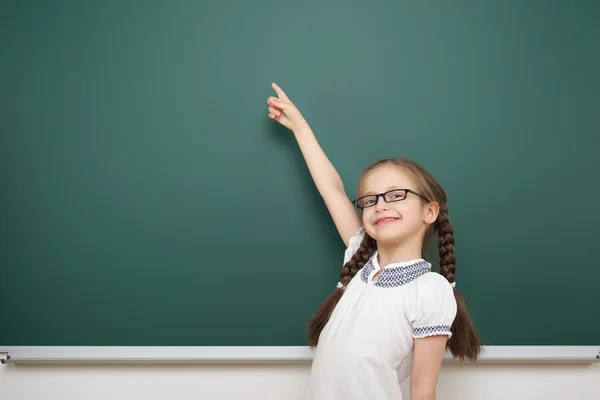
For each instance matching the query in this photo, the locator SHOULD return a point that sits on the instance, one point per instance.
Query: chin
(383, 234)
(386, 240)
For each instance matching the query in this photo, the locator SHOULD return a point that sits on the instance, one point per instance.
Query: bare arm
(427, 361)
(327, 180)
(329, 184)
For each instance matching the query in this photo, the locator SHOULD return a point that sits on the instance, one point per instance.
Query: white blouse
(365, 350)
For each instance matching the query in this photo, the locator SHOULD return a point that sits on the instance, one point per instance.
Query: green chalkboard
(147, 199)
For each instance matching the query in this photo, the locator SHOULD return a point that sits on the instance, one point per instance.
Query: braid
(359, 259)
(446, 244)
(464, 342)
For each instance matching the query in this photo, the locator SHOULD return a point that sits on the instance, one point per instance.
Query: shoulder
(432, 306)
(354, 244)
(433, 284)
(433, 290)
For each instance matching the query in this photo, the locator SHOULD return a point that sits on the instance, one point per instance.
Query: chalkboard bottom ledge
(260, 354)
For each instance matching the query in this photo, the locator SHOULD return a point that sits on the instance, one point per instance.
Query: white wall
(280, 381)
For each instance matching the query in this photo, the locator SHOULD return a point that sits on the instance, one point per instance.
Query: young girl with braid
(390, 316)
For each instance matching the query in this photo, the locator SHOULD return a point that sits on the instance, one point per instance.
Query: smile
(385, 221)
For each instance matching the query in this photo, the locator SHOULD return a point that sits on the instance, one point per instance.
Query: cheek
(413, 214)
(410, 212)
(366, 218)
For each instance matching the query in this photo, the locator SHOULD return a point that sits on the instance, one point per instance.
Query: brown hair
(464, 342)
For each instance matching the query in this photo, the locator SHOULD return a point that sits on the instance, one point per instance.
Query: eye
(397, 195)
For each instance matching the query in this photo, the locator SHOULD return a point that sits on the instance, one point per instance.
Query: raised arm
(327, 180)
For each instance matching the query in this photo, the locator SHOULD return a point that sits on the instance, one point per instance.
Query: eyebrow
(389, 188)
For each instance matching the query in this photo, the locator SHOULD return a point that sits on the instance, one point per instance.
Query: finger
(274, 111)
(280, 93)
(279, 103)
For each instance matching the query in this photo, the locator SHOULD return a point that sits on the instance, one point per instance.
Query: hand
(282, 110)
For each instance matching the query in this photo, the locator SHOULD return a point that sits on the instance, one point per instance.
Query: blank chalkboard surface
(147, 199)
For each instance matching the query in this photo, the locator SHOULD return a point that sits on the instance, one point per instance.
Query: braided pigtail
(358, 260)
(446, 244)
(464, 342)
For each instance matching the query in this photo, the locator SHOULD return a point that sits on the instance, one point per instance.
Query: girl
(390, 315)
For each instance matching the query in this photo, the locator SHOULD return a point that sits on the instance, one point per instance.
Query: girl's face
(403, 216)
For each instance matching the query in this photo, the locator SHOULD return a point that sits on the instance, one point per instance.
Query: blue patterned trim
(431, 330)
(395, 277)
(366, 271)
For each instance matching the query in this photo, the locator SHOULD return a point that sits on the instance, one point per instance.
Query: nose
(381, 205)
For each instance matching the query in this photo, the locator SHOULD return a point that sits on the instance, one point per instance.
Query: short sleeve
(354, 244)
(432, 306)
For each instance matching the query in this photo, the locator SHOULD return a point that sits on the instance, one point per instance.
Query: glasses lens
(367, 201)
(395, 195)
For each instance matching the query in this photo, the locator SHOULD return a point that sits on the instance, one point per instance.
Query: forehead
(385, 178)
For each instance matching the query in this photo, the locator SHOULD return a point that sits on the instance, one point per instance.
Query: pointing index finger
(280, 93)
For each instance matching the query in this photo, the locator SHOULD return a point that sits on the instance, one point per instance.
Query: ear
(431, 212)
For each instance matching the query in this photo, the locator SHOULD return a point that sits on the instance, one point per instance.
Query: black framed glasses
(389, 197)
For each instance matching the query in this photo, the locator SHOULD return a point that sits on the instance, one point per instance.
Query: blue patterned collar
(394, 275)
(409, 263)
